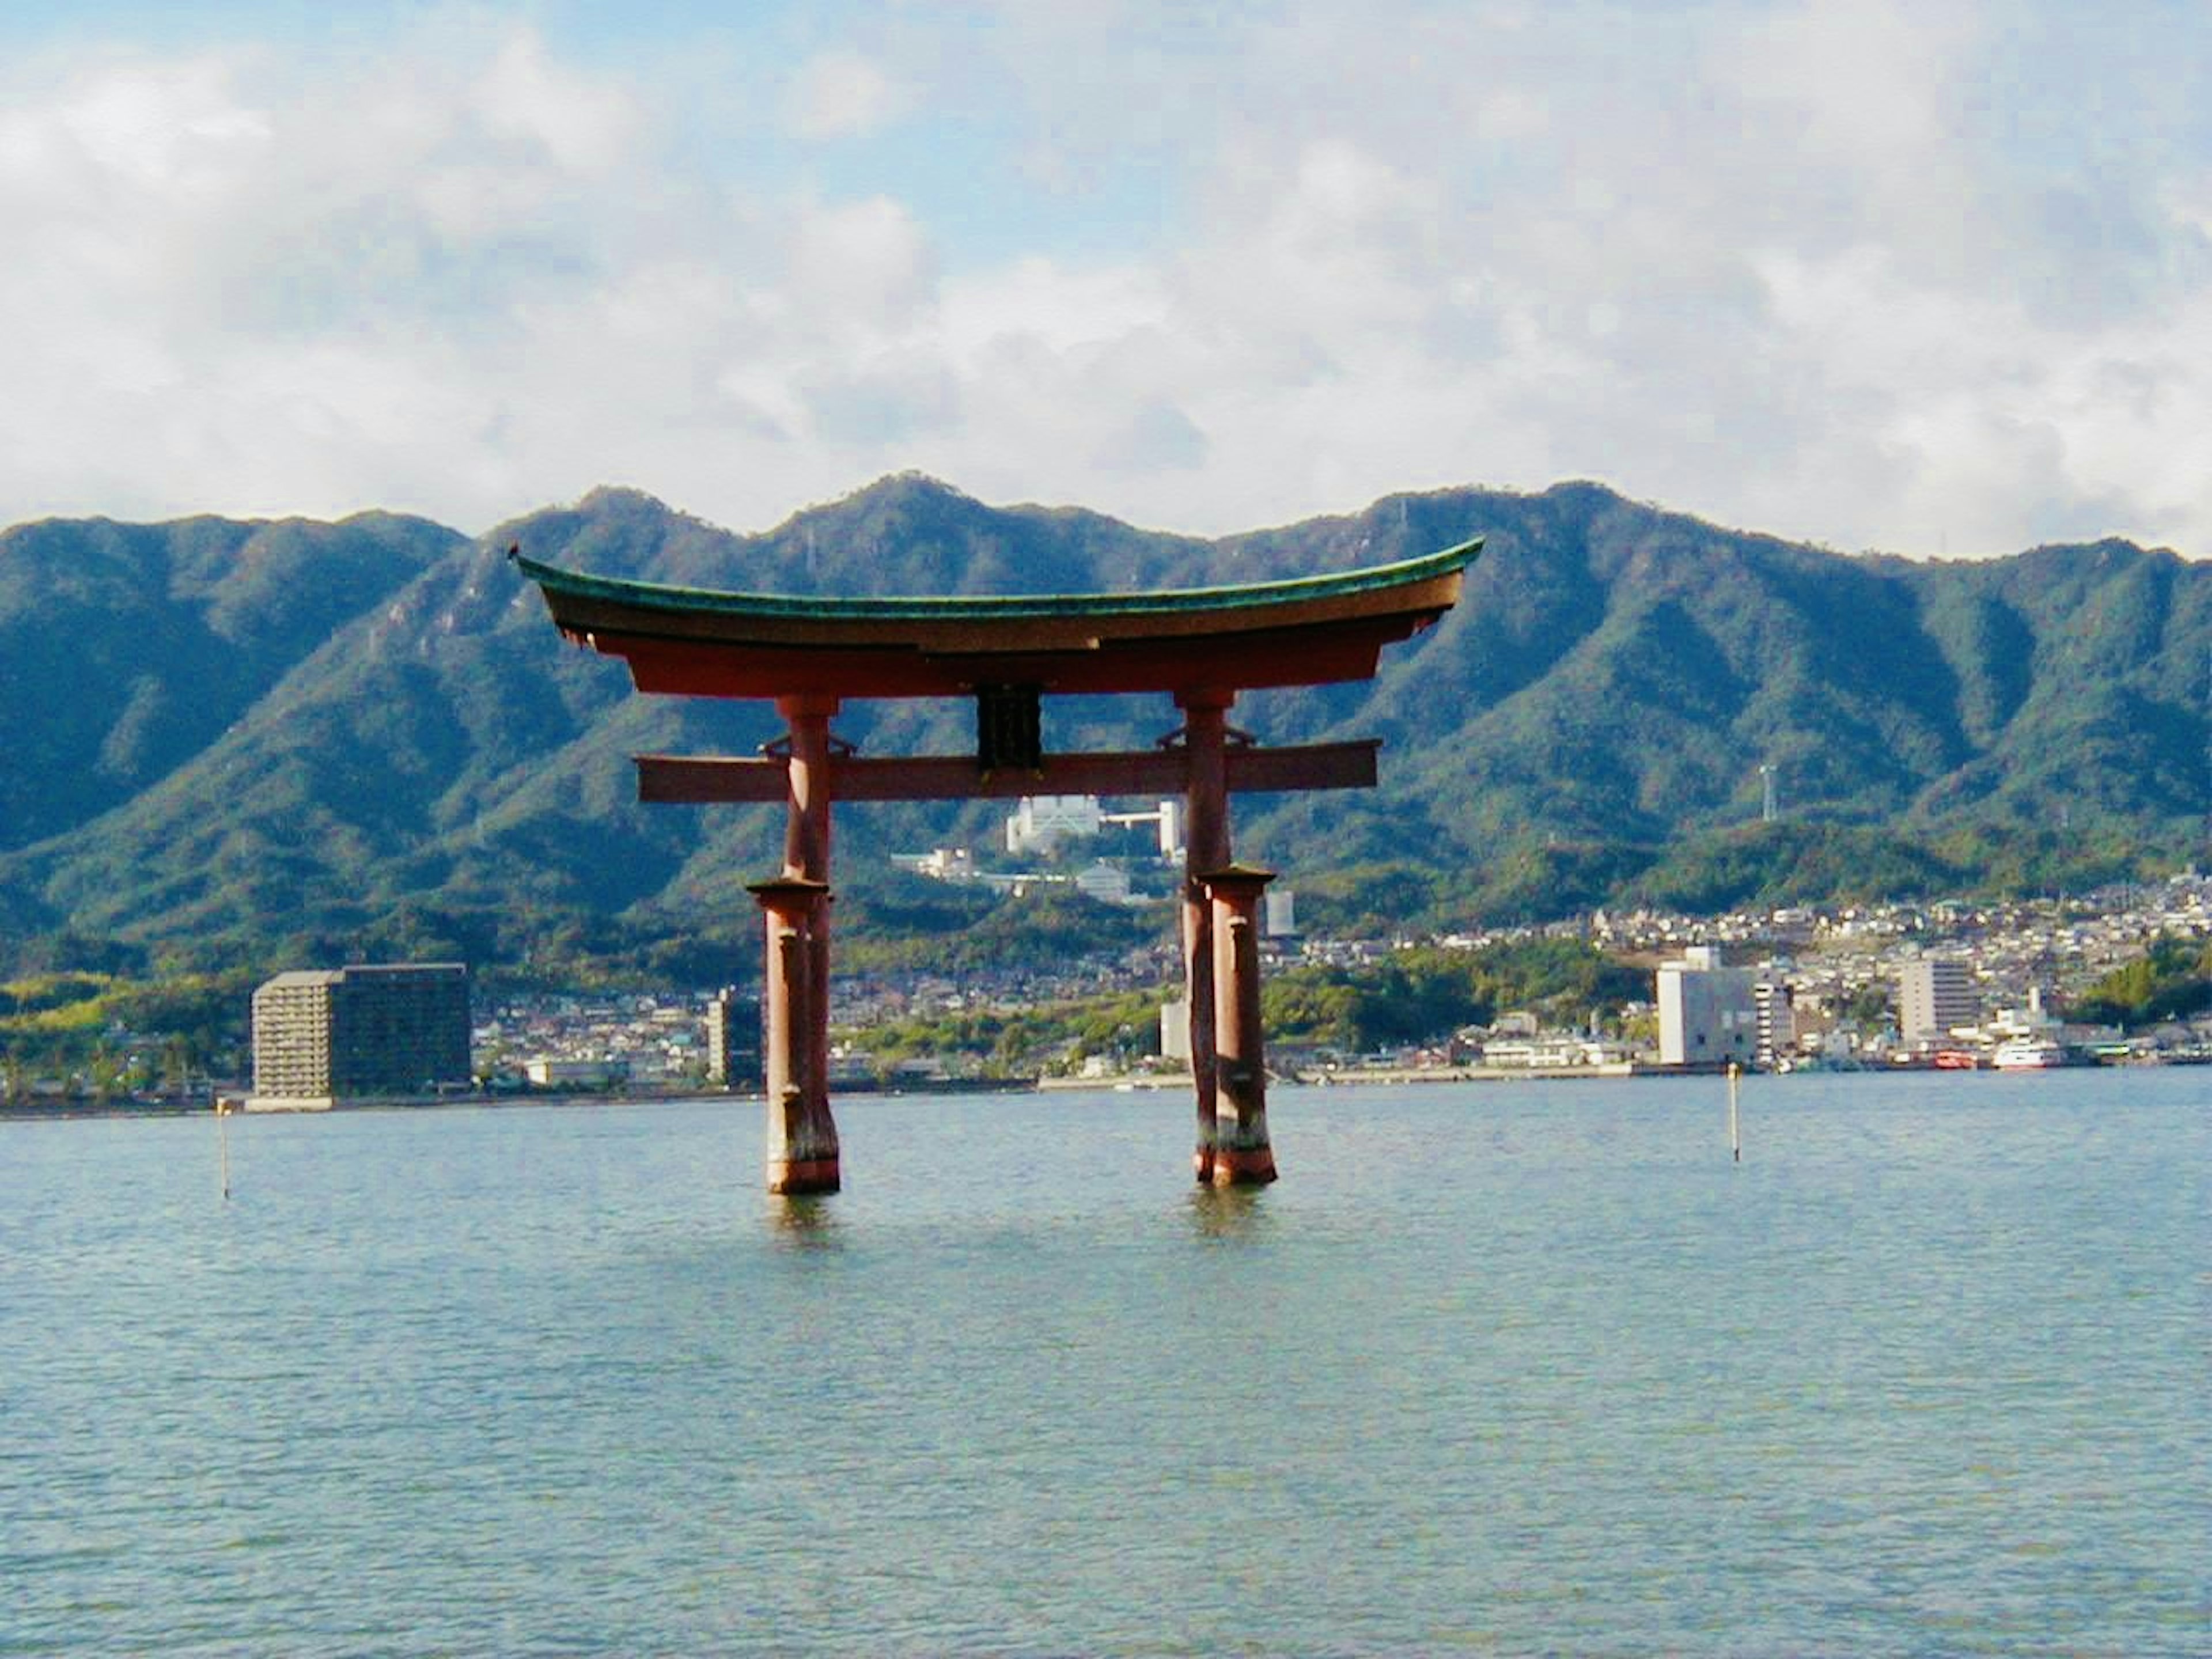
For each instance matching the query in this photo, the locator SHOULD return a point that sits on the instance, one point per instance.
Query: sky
(1932, 278)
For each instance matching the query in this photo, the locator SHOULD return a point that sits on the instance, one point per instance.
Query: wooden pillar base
(1243, 1156)
(1244, 1166)
(792, 1177)
(802, 1134)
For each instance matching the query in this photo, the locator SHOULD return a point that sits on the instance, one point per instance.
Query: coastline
(1123, 1082)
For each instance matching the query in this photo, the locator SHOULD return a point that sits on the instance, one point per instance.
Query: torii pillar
(1205, 847)
(802, 1134)
(802, 1137)
(1243, 1156)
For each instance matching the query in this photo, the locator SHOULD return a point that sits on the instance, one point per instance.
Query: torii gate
(1202, 646)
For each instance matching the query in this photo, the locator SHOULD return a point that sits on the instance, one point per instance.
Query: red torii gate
(1202, 646)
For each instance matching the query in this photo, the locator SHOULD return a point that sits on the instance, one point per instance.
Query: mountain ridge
(264, 725)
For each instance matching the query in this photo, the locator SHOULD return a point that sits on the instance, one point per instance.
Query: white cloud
(1831, 271)
(842, 95)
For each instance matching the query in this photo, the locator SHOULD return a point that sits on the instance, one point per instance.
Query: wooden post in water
(1205, 847)
(806, 857)
(1735, 1130)
(1243, 1154)
(802, 1136)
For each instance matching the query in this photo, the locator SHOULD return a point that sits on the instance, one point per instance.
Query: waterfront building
(1935, 997)
(325, 1035)
(1174, 1030)
(554, 1071)
(1707, 1012)
(733, 1048)
(1776, 1026)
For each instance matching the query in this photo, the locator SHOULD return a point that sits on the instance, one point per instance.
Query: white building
(1936, 997)
(1776, 1029)
(1168, 819)
(1174, 1030)
(953, 864)
(551, 1071)
(1707, 1013)
(1041, 823)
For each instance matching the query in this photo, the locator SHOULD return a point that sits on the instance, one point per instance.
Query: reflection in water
(807, 1221)
(1237, 1213)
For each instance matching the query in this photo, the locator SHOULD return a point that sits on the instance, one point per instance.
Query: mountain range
(367, 735)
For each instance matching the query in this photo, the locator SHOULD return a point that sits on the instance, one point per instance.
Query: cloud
(842, 95)
(1840, 271)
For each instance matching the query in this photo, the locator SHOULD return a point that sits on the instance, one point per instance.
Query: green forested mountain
(127, 649)
(368, 736)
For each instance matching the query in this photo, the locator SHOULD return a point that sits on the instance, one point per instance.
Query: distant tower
(1766, 789)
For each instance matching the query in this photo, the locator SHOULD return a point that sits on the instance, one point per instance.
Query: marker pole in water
(222, 1140)
(1735, 1129)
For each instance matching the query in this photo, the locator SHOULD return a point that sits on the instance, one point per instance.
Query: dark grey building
(733, 1040)
(381, 1028)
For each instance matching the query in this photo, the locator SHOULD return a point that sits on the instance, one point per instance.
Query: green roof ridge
(665, 596)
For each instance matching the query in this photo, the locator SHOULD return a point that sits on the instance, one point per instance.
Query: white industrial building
(1041, 823)
(1708, 1014)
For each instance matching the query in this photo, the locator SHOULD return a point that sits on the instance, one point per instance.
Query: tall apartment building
(1707, 1013)
(1777, 1027)
(381, 1028)
(733, 1040)
(1934, 996)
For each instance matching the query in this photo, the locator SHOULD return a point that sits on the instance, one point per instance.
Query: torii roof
(703, 642)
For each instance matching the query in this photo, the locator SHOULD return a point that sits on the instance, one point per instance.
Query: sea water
(1505, 1367)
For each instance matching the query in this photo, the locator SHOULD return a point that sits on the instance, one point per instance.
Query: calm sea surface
(1515, 1368)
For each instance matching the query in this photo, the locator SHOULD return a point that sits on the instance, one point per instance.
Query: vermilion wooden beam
(1316, 655)
(718, 778)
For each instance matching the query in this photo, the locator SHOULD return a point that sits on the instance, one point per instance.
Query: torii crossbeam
(1202, 645)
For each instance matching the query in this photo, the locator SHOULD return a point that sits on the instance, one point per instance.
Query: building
(1174, 1030)
(1166, 818)
(733, 1046)
(552, 1072)
(1043, 823)
(322, 1036)
(1936, 997)
(1777, 1027)
(1707, 1013)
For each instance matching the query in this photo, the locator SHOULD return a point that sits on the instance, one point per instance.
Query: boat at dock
(2027, 1055)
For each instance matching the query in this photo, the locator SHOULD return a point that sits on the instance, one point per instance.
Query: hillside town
(1779, 990)
(1945, 985)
